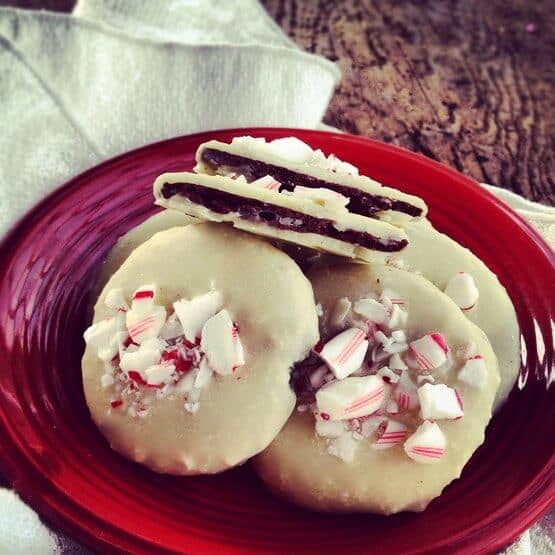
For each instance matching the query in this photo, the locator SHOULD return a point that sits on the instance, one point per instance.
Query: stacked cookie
(363, 382)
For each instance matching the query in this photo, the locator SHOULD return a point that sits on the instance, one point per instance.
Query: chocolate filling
(361, 203)
(279, 217)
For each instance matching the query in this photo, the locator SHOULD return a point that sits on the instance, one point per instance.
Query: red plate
(60, 464)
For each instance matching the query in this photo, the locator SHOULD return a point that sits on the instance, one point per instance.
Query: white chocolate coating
(267, 295)
(297, 464)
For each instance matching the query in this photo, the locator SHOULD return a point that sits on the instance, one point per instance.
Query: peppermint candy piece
(390, 433)
(351, 397)
(106, 380)
(398, 317)
(115, 300)
(370, 425)
(221, 344)
(372, 310)
(340, 312)
(345, 353)
(474, 372)
(388, 375)
(194, 313)
(322, 196)
(427, 444)
(390, 297)
(103, 337)
(143, 298)
(392, 407)
(329, 428)
(290, 149)
(430, 351)
(203, 375)
(438, 401)
(159, 374)
(406, 393)
(318, 377)
(144, 321)
(462, 289)
(139, 360)
(267, 182)
(396, 362)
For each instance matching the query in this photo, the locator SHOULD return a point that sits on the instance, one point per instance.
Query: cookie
(393, 402)
(320, 222)
(294, 164)
(188, 359)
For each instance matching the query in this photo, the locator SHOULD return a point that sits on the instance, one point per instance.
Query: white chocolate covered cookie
(392, 404)
(187, 363)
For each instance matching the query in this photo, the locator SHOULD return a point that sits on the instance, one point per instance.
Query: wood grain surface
(467, 82)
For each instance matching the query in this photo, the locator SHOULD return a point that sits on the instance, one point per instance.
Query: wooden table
(467, 82)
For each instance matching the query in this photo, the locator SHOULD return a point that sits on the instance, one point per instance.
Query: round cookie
(438, 257)
(303, 466)
(271, 304)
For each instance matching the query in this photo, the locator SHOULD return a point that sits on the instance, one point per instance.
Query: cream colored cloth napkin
(117, 74)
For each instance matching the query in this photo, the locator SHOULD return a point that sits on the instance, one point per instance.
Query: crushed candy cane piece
(329, 428)
(143, 324)
(398, 317)
(139, 359)
(438, 401)
(351, 397)
(103, 337)
(388, 375)
(221, 344)
(115, 300)
(345, 352)
(194, 313)
(143, 297)
(343, 447)
(318, 377)
(425, 378)
(474, 372)
(427, 444)
(372, 310)
(430, 351)
(406, 393)
(159, 374)
(203, 375)
(389, 434)
(340, 312)
(290, 149)
(463, 291)
(267, 182)
(392, 407)
(390, 296)
(396, 362)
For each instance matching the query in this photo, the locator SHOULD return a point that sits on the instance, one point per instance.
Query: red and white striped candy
(267, 182)
(345, 353)
(396, 362)
(430, 351)
(372, 310)
(462, 289)
(406, 393)
(143, 298)
(221, 344)
(427, 444)
(438, 401)
(474, 372)
(321, 196)
(144, 322)
(159, 374)
(194, 313)
(388, 375)
(351, 397)
(340, 312)
(389, 296)
(103, 337)
(140, 359)
(389, 434)
(115, 300)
